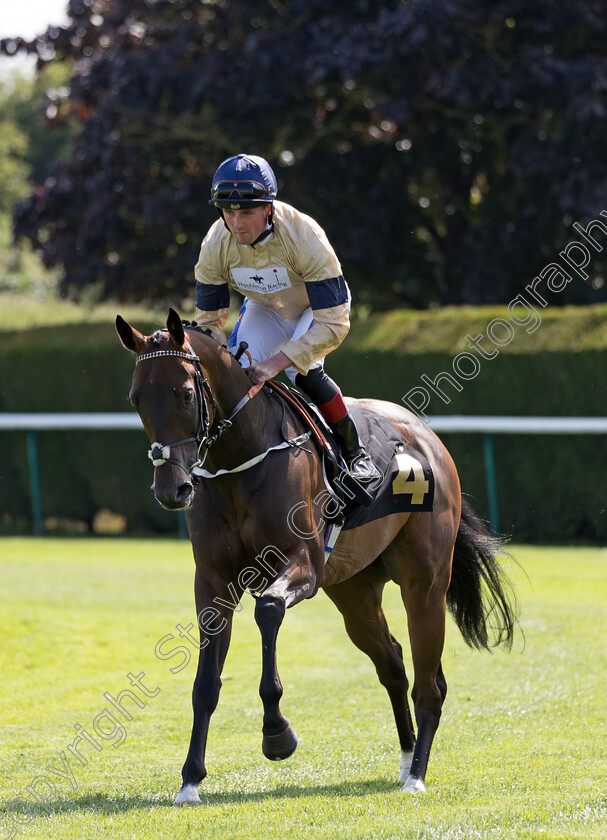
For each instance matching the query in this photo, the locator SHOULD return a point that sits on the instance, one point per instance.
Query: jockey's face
(248, 224)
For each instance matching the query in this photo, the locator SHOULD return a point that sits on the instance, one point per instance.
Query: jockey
(296, 307)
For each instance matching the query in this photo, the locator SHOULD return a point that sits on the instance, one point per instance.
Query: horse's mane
(192, 325)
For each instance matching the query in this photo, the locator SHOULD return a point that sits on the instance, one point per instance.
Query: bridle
(160, 453)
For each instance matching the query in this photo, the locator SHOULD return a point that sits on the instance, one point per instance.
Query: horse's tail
(480, 597)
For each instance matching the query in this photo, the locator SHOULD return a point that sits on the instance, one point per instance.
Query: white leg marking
(413, 785)
(188, 795)
(405, 765)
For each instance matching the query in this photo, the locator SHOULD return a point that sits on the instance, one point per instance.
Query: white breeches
(265, 331)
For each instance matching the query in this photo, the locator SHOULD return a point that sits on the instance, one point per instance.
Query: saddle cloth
(407, 482)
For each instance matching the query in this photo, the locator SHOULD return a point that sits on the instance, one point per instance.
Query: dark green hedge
(550, 488)
(75, 368)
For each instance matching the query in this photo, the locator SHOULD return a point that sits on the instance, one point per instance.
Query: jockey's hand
(268, 369)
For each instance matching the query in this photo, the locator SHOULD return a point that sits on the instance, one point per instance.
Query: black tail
(480, 598)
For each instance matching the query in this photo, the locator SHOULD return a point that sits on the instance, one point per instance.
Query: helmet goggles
(239, 190)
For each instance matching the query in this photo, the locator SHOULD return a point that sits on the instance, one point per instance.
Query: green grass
(519, 753)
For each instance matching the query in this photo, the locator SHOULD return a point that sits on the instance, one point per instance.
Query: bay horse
(240, 464)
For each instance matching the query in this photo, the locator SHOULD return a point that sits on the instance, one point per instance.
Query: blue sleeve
(212, 296)
(325, 294)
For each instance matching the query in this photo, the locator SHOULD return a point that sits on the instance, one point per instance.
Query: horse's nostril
(174, 499)
(184, 491)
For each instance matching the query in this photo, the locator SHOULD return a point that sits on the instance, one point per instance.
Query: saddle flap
(337, 479)
(320, 430)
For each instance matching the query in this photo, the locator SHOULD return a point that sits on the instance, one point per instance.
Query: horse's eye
(188, 395)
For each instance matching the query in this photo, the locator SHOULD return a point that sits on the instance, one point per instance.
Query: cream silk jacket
(294, 267)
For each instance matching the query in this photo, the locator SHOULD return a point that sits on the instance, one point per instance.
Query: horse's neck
(227, 380)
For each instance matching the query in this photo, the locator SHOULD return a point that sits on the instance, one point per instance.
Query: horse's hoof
(281, 746)
(413, 785)
(405, 765)
(188, 795)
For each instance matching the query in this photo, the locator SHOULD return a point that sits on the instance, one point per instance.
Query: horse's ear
(175, 328)
(130, 337)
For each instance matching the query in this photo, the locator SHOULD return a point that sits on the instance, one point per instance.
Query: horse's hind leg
(359, 601)
(424, 579)
(426, 633)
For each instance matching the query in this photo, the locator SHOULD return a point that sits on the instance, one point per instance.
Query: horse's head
(168, 391)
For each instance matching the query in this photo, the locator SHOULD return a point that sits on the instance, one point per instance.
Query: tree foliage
(445, 147)
(27, 149)
(14, 171)
(22, 101)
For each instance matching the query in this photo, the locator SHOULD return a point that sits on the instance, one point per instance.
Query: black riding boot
(360, 466)
(323, 391)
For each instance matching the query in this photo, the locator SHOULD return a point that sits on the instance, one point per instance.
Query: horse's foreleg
(279, 740)
(294, 584)
(215, 633)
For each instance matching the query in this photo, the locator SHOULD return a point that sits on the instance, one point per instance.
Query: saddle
(407, 483)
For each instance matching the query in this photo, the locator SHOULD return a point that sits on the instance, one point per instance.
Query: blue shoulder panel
(210, 297)
(324, 294)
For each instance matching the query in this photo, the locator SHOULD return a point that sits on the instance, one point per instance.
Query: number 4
(410, 478)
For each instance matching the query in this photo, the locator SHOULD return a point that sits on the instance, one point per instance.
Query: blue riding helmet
(243, 181)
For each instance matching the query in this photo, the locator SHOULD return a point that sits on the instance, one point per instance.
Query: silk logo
(265, 281)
